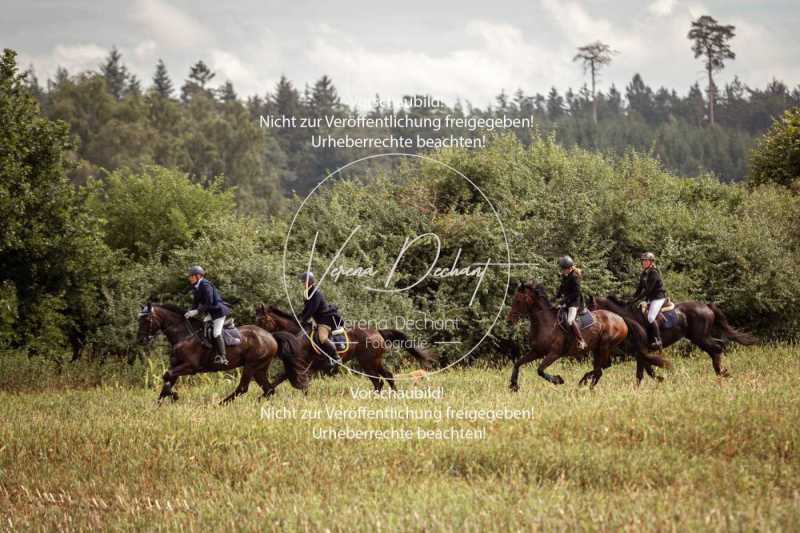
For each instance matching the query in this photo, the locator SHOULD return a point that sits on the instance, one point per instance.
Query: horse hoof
(514, 387)
(659, 379)
(174, 396)
(558, 380)
(724, 373)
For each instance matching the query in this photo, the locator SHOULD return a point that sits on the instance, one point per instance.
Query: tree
(48, 243)
(162, 84)
(776, 158)
(711, 41)
(595, 56)
(226, 92)
(116, 74)
(555, 104)
(199, 76)
(640, 98)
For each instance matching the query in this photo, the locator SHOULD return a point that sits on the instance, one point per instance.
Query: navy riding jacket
(207, 299)
(320, 310)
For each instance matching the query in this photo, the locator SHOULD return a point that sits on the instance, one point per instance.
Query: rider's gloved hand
(191, 313)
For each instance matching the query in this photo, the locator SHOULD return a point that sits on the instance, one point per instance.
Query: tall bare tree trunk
(712, 91)
(594, 96)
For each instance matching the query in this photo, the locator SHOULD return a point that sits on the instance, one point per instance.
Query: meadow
(88, 448)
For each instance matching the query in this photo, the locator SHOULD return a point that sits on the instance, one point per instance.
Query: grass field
(88, 449)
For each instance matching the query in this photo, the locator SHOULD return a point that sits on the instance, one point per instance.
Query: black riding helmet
(566, 262)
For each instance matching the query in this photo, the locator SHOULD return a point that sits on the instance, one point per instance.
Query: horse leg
(377, 382)
(388, 377)
(514, 385)
(585, 378)
(601, 360)
(261, 378)
(714, 350)
(170, 378)
(244, 383)
(547, 361)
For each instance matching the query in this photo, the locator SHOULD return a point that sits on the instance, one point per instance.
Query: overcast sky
(467, 50)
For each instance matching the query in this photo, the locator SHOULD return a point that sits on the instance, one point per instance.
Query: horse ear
(260, 307)
(149, 307)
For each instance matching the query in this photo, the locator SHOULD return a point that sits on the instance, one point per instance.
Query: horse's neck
(541, 318)
(175, 330)
(290, 325)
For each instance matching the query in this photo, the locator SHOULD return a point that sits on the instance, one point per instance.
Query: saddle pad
(668, 320)
(340, 341)
(232, 336)
(584, 319)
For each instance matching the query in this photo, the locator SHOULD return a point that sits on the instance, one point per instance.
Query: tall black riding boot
(656, 333)
(219, 349)
(332, 358)
(576, 330)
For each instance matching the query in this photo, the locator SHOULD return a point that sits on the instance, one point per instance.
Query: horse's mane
(616, 299)
(172, 307)
(280, 312)
(540, 291)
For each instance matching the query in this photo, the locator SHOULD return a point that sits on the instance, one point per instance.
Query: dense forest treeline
(206, 129)
(83, 249)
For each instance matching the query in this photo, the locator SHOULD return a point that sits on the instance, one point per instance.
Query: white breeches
(572, 313)
(655, 307)
(217, 326)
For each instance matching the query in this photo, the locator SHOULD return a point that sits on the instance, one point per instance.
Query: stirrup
(221, 360)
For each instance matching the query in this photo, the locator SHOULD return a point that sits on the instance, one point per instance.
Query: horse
(365, 345)
(703, 324)
(190, 356)
(551, 342)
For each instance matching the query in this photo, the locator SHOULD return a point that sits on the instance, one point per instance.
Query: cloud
(662, 7)
(496, 57)
(169, 25)
(244, 76)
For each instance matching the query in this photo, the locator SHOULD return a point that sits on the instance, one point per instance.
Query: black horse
(703, 324)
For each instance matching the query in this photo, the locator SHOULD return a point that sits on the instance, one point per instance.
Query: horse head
(149, 324)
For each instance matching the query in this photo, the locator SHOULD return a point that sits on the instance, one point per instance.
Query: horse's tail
(636, 345)
(295, 365)
(420, 354)
(721, 323)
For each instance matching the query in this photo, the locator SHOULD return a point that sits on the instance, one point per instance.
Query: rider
(651, 289)
(570, 293)
(324, 314)
(207, 299)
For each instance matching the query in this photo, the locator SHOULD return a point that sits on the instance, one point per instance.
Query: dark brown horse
(549, 341)
(190, 355)
(703, 324)
(365, 345)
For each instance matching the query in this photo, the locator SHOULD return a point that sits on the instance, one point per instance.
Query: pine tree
(594, 56)
(162, 84)
(226, 93)
(640, 98)
(711, 41)
(115, 74)
(324, 97)
(555, 105)
(199, 76)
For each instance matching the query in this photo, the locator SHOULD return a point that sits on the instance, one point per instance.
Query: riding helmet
(307, 277)
(648, 256)
(566, 262)
(197, 270)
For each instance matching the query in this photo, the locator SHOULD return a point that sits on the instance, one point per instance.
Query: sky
(452, 50)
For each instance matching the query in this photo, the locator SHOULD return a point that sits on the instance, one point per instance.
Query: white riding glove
(191, 313)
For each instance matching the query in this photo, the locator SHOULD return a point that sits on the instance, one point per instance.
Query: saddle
(584, 319)
(339, 338)
(230, 333)
(667, 317)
